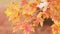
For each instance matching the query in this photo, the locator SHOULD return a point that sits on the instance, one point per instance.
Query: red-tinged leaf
(34, 5)
(36, 22)
(23, 2)
(27, 28)
(55, 28)
(51, 3)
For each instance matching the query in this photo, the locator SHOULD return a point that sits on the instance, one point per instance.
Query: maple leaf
(12, 13)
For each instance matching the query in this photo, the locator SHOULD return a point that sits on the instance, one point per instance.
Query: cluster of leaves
(27, 16)
(54, 7)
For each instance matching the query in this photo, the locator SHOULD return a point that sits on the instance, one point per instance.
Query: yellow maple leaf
(12, 13)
